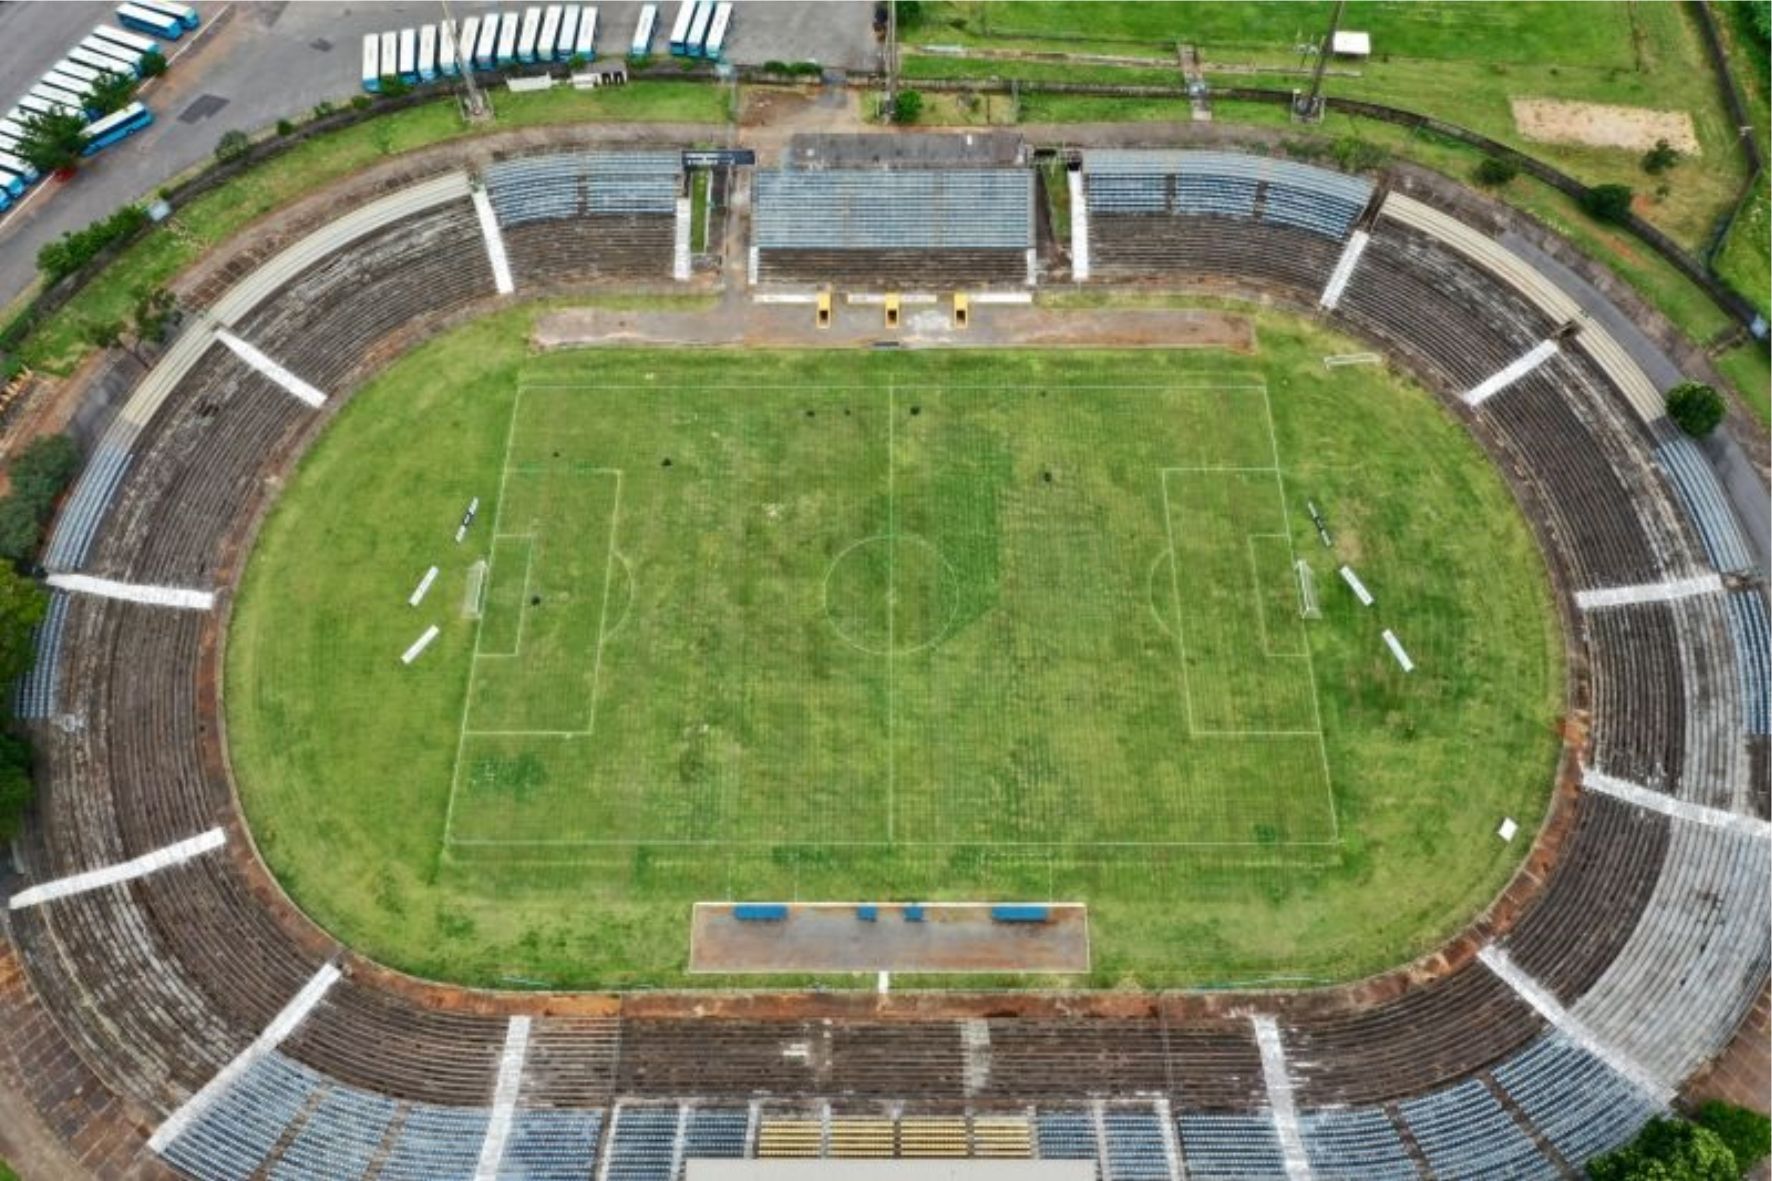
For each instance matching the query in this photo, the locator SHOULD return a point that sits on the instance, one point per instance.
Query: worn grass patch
(942, 625)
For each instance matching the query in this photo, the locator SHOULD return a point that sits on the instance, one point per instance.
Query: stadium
(888, 653)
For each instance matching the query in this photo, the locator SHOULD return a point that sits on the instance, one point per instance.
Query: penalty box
(1064, 618)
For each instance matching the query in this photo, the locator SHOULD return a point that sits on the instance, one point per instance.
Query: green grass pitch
(859, 626)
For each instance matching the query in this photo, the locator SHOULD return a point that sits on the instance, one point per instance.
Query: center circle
(891, 595)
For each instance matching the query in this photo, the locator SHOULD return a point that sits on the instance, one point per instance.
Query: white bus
(74, 69)
(98, 59)
(586, 44)
(568, 32)
(75, 86)
(409, 55)
(716, 44)
(13, 163)
(485, 50)
(641, 45)
(507, 40)
(448, 64)
(390, 54)
(372, 62)
(12, 129)
(427, 52)
(140, 45)
(60, 97)
(37, 106)
(698, 28)
(680, 27)
(531, 30)
(184, 14)
(550, 33)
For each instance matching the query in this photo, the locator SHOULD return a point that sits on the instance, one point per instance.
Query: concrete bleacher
(579, 216)
(340, 1137)
(643, 1144)
(1135, 1145)
(1223, 184)
(1466, 1135)
(36, 696)
(1752, 635)
(237, 1135)
(1581, 1105)
(1706, 504)
(547, 1145)
(436, 1144)
(1355, 1144)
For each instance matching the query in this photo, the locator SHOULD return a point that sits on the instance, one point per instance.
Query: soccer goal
(1307, 590)
(474, 601)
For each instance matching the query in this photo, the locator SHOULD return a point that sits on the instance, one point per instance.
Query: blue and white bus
(73, 69)
(698, 29)
(372, 62)
(146, 20)
(531, 30)
(507, 41)
(390, 54)
(78, 87)
(680, 27)
(427, 53)
(184, 14)
(408, 55)
(715, 49)
(19, 165)
(127, 46)
(585, 44)
(60, 97)
(116, 127)
(12, 182)
(88, 55)
(486, 51)
(641, 45)
(464, 43)
(42, 104)
(568, 36)
(550, 33)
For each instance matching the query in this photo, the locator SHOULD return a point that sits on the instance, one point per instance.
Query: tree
(153, 314)
(1660, 158)
(907, 106)
(113, 91)
(1607, 202)
(16, 789)
(232, 146)
(1668, 1150)
(20, 530)
(1695, 407)
(43, 469)
(52, 142)
(22, 606)
(1747, 1133)
(1493, 170)
(910, 12)
(106, 334)
(153, 64)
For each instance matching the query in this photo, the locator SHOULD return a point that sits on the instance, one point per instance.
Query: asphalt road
(256, 61)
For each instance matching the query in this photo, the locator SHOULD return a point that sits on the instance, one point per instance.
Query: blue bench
(913, 913)
(1021, 914)
(760, 912)
(867, 913)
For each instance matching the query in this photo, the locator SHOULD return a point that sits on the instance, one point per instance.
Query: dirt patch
(1600, 125)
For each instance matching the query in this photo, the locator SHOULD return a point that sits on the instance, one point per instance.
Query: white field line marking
(1506, 377)
(1552, 1010)
(419, 645)
(495, 242)
(1079, 227)
(281, 1026)
(603, 611)
(467, 697)
(769, 843)
(271, 370)
(1280, 1103)
(424, 588)
(1267, 646)
(1198, 381)
(1654, 801)
(504, 1099)
(132, 592)
(124, 871)
(1649, 592)
(1187, 694)
(891, 612)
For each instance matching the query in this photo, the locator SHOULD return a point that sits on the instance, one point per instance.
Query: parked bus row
(493, 41)
(701, 28)
(157, 18)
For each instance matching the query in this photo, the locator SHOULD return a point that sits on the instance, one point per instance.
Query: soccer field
(859, 626)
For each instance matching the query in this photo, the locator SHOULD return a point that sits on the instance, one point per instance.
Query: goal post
(473, 602)
(1307, 590)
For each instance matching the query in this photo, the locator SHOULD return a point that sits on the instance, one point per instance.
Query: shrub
(42, 470)
(153, 314)
(360, 102)
(72, 251)
(907, 106)
(1607, 202)
(392, 86)
(323, 109)
(910, 12)
(52, 142)
(1357, 155)
(1660, 158)
(15, 787)
(1747, 1133)
(113, 91)
(1493, 170)
(285, 127)
(20, 530)
(1668, 1150)
(232, 146)
(153, 65)
(1695, 408)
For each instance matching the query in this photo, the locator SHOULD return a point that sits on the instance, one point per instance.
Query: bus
(698, 29)
(568, 33)
(98, 59)
(11, 184)
(183, 13)
(408, 55)
(427, 52)
(79, 87)
(487, 41)
(448, 64)
(146, 20)
(47, 102)
(507, 41)
(585, 45)
(531, 30)
(372, 62)
(680, 27)
(124, 45)
(74, 69)
(715, 48)
(641, 45)
(550, 33)
(116, 127)
(19, 165)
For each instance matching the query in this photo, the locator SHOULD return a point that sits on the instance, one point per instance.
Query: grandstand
(155, 1026)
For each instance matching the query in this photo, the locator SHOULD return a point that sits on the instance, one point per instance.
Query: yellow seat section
(861, 1137)
(932, 1136)
(789, 1137)
(1003, 1136)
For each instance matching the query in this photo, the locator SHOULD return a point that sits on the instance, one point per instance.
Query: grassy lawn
(58, 345)
(937, 625)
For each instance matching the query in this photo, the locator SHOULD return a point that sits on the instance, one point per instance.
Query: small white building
(1348, 44)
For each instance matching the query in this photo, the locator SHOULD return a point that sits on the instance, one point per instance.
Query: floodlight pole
(478, 107)
(1309, 107)
(891, 110)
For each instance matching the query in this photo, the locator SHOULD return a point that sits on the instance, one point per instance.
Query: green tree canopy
(1608, 202)
(16, 790)
(52, 142)
(1747, 1133)
(1668, 1150)
(22, 607)
(113, 91)
(1695, 407)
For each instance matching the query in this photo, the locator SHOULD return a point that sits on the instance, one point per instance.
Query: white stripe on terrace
(283, 377)
(504, 1099)
(1649, 592)
(1541, 353)
(133, 592)
(96, 879)
(1079, 227)
(1344, 269)
(495, 243)
(1655, 801)
(680, 242)
(1017, 298)
(1279, 1097)
(1552, 1010)
(281, 1026)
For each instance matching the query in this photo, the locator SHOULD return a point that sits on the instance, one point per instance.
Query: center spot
(891, 595)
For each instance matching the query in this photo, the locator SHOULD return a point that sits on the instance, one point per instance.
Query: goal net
(474, 601)
(1307, 591)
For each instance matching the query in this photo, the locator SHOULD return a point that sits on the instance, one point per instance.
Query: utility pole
(478, 107)
(1308, 108)
(891, 111)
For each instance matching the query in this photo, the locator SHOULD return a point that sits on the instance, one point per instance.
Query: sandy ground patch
(1601, 125)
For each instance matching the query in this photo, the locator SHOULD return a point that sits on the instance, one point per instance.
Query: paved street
(260, 60)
